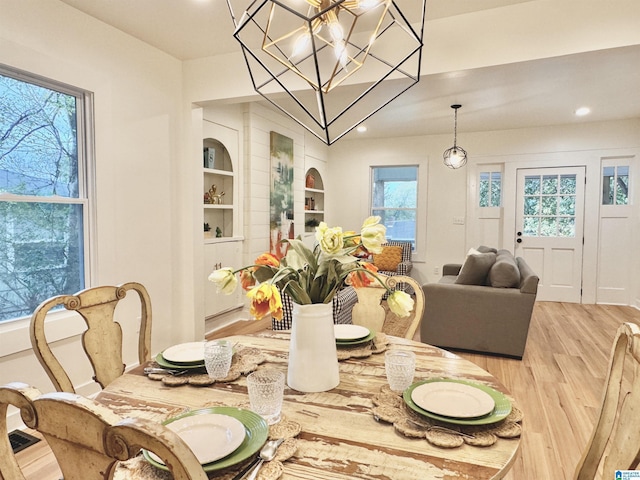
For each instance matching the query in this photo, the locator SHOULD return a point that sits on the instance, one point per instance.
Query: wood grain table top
(340, 438)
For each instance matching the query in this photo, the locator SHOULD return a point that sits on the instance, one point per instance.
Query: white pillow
(472, 251)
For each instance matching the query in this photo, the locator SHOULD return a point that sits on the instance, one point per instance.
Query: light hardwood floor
(558, 384)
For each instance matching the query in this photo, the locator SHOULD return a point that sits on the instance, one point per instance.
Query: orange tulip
(362, 279)
(247, 280)
(268, 259)
(265, 299)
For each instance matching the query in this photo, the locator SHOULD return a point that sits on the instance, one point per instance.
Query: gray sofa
(464, 311)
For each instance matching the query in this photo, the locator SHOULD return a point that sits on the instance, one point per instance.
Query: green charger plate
(359, 341)
(255, 426)
(500, 411)
(164, 363)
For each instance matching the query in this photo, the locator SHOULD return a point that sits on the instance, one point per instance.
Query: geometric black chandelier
(455, 157)
(330, 64)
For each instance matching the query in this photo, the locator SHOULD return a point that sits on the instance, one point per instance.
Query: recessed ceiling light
(362, 129)
(582, 111)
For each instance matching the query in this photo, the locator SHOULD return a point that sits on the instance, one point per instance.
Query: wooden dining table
(340, 438)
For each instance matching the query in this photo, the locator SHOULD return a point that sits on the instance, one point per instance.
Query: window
(394, 197)
(550, 205)
(43, 191)
(615, 185)
(490, 191)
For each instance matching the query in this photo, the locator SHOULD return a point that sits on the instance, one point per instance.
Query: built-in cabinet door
(218, 255)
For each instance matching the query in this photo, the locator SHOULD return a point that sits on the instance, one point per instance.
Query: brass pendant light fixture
(455, 157)
(330, 64)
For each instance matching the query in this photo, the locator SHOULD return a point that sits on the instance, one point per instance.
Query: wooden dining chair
(615, 440)
(88, 439)
(373, 313)
(102, 341)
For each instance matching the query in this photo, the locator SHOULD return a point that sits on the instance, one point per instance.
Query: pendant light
(455, 157)
(330, 64)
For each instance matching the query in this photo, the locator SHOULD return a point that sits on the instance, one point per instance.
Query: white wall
(138, 150)
(447, 190)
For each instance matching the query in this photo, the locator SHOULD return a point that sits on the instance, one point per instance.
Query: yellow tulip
(265, 298)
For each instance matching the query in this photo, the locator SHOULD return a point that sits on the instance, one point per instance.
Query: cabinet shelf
(312, 212)
(217, 206)
(211, 240)
(214, 171)
(313, 190)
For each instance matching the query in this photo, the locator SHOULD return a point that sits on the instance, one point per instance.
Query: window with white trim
(44, 199)
(394, 198)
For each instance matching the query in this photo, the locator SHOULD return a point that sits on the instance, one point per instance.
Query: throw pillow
(475, 269)
(504, 273)
(389, 258)
(484, 249)
(473, 251)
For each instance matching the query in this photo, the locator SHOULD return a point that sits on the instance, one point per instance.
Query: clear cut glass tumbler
(266, 392)
(217, 358)
(400, 366)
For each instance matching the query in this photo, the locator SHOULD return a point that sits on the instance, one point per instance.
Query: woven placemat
(245, 360)
(140, 469)
(389, 407)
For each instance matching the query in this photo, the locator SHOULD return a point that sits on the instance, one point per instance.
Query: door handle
(519, 240)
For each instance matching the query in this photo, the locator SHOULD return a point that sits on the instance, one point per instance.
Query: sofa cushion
(504, 273)
(475, 269)
(389, 258)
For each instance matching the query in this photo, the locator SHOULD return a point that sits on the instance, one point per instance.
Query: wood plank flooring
(558, 384)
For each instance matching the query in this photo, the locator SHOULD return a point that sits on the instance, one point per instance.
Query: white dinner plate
(210, 437)
(453, 399)
(185, 353)
(350, 332)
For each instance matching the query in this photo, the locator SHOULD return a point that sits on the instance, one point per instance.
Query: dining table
(357, 430)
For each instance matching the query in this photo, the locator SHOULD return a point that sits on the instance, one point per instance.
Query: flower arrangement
(313, 276)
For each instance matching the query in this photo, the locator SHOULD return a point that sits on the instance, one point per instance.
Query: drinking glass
(400, 366)
(217, 358)
(266, 392)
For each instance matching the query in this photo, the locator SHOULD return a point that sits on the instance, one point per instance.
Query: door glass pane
(531, 205)
(550, 185)
(548, 227)
(530, 226)
(531, 185)
(496, 188)
(549, 205)
(608, 186)
(622, 185)
(568, 184)
(567, 205)
(484, 189)
(566, 227)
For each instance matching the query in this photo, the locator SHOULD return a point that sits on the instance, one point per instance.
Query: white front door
(549, 229)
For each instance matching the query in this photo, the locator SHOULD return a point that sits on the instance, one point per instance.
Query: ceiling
(517, 95)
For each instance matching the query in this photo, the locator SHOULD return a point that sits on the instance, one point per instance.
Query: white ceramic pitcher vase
(313, 359)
